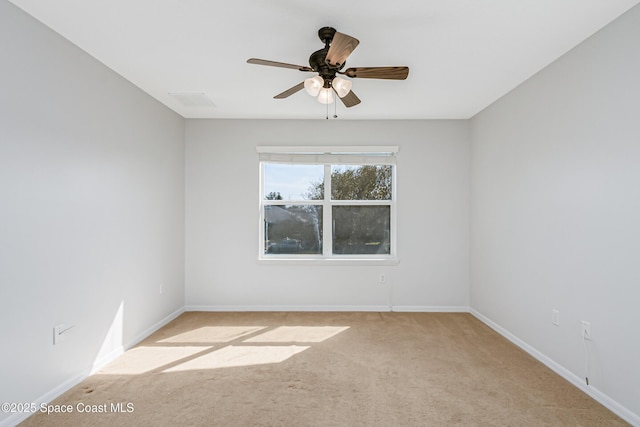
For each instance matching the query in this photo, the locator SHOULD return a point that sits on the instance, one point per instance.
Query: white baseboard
(362, 308)
(429, 309)
(615, 407)
(105, 360)
(151, 329)
(52, 394)
(248, 308)
(17, 418)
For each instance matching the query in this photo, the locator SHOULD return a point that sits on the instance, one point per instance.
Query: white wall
(91, 210)
(556, 210)
(222, 218)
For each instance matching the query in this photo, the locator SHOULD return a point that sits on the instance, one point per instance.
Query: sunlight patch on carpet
(236, 356)
(145, 359)
(299, 334)
(212, 334)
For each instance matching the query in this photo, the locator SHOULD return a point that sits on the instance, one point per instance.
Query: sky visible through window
(291, 181)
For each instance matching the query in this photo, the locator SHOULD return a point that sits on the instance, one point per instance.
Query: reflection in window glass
(293, 229)
(361, 230)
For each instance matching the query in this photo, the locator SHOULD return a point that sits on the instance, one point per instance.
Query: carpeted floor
(326, 369)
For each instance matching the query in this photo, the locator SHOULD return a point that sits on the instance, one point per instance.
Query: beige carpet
(327, 369)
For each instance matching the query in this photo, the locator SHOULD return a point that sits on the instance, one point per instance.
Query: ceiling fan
(328, 63)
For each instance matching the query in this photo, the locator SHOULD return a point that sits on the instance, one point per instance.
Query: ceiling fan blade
(278, 64)
(341, 47)
(290, 91)
(350, 99)
(392, 73)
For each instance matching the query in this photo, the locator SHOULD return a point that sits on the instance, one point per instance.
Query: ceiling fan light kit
(316, 87)
(325, 96)
(341, 86)
(313, 85)
(328, 62)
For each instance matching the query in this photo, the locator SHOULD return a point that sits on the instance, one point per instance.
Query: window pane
(293, 182)
(361, 182)
(293, 229)
(361, 230)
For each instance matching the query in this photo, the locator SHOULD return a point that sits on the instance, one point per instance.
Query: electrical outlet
(383, 279)
(58, 336)
(586, 330)
(59, 331)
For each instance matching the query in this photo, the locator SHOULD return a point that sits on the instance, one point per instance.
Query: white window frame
(328, 156)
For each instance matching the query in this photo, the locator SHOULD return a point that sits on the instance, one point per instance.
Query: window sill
(276, 260)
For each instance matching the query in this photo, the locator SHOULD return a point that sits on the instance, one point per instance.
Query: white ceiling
(462, 54)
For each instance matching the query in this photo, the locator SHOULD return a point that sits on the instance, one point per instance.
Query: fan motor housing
(317, 60)
(319, 65)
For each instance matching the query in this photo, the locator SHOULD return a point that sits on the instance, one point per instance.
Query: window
(327, 203)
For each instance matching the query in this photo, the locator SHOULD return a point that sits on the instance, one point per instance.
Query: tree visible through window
(299, 218)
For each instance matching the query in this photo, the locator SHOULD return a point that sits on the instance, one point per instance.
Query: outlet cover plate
(586, 330)
(58, 334)
(555, 317)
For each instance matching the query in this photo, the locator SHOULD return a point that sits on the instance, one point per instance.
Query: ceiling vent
(193, 99)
